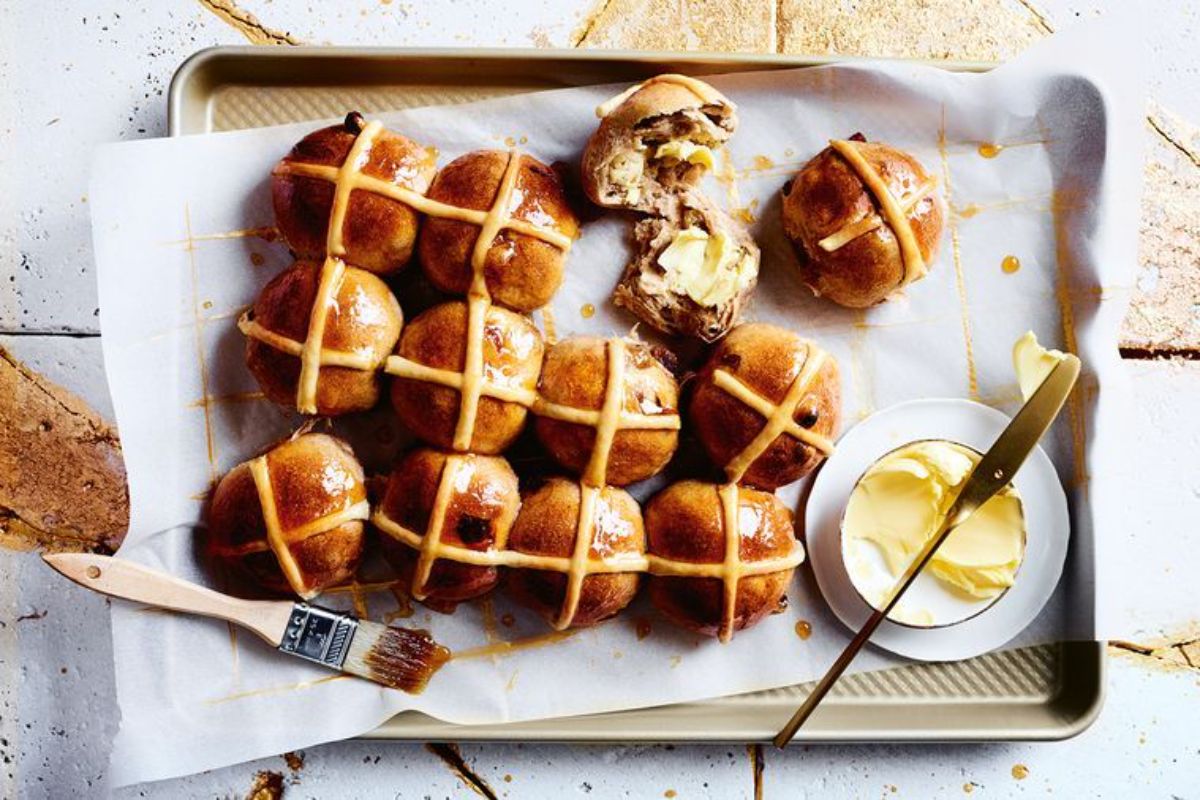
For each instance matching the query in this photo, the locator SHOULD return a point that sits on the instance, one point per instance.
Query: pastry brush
(400, 658)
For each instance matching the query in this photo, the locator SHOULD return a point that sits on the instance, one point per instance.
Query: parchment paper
(1061, 196)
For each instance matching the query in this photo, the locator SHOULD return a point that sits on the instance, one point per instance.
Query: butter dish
(957, 627)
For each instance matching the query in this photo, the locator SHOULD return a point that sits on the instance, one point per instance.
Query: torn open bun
(655, 141)
(692, 271)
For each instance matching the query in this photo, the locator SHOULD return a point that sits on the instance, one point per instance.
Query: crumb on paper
(267, 785)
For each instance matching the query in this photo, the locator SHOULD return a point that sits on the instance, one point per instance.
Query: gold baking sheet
(1046, 692)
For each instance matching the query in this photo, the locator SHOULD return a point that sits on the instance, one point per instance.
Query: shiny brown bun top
(315, 486)
(686, 522)
(512, 358)
(378, 232)
(828, 199)
(548, 525)
(363, 319)
(767, 361)
(465, 501)
(521, 270)
(576, 375)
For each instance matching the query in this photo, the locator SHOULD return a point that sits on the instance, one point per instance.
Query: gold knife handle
(118, 577)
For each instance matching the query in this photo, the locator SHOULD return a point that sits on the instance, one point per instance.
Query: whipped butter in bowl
(898, 504)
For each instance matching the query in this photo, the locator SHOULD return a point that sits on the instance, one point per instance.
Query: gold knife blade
(994, 471)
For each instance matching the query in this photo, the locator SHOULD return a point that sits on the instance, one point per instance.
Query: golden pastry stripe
(431, 544)
(332, 273)
(610, 415)
(279, 540)
(853, 230)
(329, 358)
(266, 499)
(479, 301)
(702, 90)
(897, 218)
(578, 568)
(732, 573)
(780, 419)
(628, 562)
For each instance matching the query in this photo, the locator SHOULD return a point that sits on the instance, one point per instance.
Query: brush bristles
(401, 658)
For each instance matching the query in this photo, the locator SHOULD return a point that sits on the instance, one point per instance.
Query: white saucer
(1046, 519)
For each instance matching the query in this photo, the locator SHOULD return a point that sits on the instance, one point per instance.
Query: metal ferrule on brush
(319, 635)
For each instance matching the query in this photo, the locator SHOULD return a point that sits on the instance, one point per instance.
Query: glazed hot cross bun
(441, 517)
(504, 217)
(466, 375)
(348, 191)
(766, 405)
(291, 520)
(607, 409)
(317, 335)
(721, 556)
(864, 219)
(573, 539)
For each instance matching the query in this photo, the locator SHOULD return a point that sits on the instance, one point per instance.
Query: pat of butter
(625, 171)
(683, 150)
(1033, 363)
(900, 502)
(710, 269)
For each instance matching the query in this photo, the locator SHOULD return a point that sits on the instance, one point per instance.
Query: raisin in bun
(291, 520)
(654, 143)
(692, 582)
(378, 232)
(521, 270)
(466, 502)
(576, 378)
(361, 326)
(437, 340)
(548, 526)
(851, 249)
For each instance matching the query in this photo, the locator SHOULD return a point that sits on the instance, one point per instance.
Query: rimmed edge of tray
(1076, 700)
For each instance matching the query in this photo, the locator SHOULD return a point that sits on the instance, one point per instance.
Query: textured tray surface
(1047, 691)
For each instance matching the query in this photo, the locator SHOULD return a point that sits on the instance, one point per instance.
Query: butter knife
(994, 471)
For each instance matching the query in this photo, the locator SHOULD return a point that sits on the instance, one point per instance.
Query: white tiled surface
(78, 73)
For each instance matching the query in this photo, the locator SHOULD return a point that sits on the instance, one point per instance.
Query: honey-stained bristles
(400, 658)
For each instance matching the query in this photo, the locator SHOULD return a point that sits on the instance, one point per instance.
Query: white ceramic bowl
(929, 602)
(960, 627)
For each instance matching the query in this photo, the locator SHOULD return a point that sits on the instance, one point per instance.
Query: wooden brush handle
(121, 578)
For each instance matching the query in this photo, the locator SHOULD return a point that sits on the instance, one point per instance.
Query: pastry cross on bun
(348, 191)
(291, 520)
(317, 335)
(442, 516)
(721, 557)
(655, 141)
(766, 405)
(607, 410)
(692, 271)
(592, 529)
(466, 375)
(864, 219)
(529, 229)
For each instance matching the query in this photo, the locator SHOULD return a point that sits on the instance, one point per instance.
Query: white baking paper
(1061, 196)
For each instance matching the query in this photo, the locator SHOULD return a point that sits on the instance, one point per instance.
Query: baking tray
(1047, 692)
